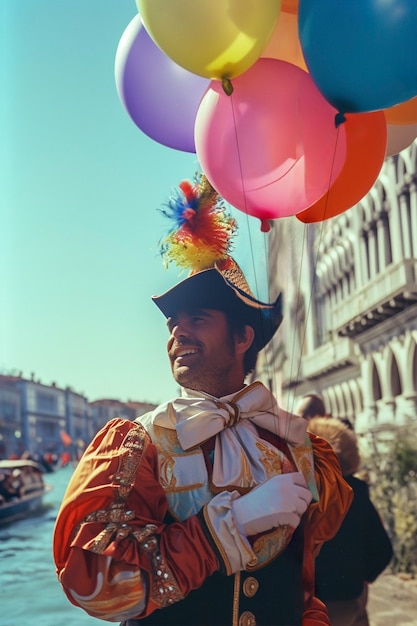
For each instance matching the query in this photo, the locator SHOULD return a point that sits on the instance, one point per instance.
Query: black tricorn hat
(224, 288)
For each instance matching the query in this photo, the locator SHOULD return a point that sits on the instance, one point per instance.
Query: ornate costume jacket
(145, 533)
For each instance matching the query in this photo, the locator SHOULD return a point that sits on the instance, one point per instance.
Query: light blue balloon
(362, 54)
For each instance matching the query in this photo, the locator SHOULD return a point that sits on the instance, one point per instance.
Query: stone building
(41, 418)
(10, 417)
(350, 314)
(37, 418)
(105, 409)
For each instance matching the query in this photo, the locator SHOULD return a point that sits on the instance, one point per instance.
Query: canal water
(30, 594)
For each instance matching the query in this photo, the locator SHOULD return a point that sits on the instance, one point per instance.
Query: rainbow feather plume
(202, 232)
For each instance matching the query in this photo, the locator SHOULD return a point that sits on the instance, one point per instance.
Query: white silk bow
(240, 454)
(198, 419)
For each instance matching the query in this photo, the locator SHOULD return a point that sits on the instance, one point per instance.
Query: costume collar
(197, 416)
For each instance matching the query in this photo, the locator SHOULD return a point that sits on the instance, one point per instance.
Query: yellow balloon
(211, 38)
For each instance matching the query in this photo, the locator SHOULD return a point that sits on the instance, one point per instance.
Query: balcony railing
(329, 356)
(384, 295)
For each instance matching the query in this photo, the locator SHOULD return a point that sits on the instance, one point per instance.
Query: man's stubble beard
(209, 379)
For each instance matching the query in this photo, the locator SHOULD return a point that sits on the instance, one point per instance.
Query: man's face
(203, 353)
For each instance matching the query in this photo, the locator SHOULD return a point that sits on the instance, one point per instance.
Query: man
(201, 512)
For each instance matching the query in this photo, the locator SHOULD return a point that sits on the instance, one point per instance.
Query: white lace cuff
(235, 549)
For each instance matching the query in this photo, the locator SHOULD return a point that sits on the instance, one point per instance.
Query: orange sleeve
(326, 515)
(316, 614)
(115, 556)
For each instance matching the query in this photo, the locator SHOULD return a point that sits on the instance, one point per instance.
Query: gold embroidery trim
(116, 514)
(164, 588)
(236, 592)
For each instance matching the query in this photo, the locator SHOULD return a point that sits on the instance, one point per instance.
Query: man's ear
(245, 339)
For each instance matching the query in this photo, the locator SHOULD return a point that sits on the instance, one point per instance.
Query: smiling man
(203, 351)
(200, 349)
(210, 509)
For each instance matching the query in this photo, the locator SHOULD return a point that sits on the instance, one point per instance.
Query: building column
(387, 413)
(381, 235)
(413, 213)
(363, 258)
(395, 230)
(372, 252)
(408, 409)
(405, 226)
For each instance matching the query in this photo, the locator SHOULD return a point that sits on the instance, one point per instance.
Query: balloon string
(265, 227)
(251, 246)
(313, 281)
(268, 368)
(297, 368)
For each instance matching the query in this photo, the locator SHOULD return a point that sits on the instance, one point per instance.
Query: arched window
(332, 406)
(357, 396)
(341, 406)
(394, 377)
(376, 384)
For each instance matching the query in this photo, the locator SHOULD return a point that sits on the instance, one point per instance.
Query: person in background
(310, 405)
(361, 549)
(11, 485)
(209, 510)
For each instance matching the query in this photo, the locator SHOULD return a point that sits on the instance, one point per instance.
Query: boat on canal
(22, 488)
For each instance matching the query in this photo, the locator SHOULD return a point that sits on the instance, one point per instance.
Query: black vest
(278, 600)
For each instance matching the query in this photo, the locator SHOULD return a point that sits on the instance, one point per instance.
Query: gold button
(247, 619)
(250, 586)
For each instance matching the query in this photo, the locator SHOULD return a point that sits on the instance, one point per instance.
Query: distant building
(38, 418)
(11, 426)
(106, 409)
(350, 298)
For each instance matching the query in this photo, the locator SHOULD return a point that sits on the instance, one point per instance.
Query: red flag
(65, 438)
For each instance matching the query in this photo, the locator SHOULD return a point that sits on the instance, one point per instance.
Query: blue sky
(80, 187)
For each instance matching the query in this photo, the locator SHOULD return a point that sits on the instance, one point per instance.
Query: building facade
(44, 419)
(11, 426)
(106, 409)
(350, 314)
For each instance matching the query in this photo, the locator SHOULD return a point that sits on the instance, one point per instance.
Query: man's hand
(277, 501)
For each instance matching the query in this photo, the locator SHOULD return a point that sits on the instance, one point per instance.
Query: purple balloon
(161, 97)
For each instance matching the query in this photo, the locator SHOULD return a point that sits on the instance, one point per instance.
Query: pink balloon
(272, 148)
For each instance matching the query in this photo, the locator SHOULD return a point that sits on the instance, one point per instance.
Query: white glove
(277, 501)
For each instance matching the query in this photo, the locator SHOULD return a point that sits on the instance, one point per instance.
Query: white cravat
(240, 453)
(199, 416)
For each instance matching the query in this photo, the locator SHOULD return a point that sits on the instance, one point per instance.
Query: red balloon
(366, 142)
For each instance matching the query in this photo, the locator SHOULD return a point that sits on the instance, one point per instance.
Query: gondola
(22, 488)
